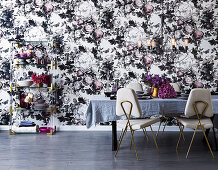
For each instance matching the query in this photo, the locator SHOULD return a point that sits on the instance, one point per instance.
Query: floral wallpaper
(100, 41)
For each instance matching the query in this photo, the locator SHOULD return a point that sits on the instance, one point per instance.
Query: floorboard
(92, 151)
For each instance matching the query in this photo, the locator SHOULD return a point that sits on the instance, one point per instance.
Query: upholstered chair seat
(137, 124)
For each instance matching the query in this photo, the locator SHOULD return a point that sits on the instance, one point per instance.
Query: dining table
(102, 109)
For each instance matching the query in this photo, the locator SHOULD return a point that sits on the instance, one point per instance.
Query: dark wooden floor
(92, 151)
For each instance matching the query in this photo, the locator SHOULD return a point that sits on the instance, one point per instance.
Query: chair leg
(207, 142)
(191, 142)
(132, 132)
(158, 129)
(120, 135)
(145, 133)
(165, 125)
(181, 130)
(120, 141)
(131, 141)
(180, 134)
(214, 135)
(154, 139)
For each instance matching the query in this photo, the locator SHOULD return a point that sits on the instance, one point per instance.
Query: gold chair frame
(197, 126)
(123, 132)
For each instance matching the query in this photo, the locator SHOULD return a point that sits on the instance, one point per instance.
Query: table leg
(114, 135)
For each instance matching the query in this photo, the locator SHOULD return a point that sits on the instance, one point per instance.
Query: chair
(199, 104)
(135, 86)
(127, 104)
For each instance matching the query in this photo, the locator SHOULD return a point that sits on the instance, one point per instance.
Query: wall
(94, 36)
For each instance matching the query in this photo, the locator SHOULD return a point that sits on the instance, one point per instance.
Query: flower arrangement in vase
(41, 79)
(155, 82)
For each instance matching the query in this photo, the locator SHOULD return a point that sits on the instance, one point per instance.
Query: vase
(155, 92)
(39, 84)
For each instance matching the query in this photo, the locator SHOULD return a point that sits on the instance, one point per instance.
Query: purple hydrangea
(155, 80)
(166, 91)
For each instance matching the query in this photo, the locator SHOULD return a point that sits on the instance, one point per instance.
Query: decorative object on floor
(25, 83)
(25, 129)
(29, 98)
(45, 129)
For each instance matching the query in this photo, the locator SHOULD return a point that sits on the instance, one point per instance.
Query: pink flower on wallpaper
(198, 34)
(48, 8)
(148, 9)
(179, 73)
(79, 73)
(188, 80)
(98, 34)
(98, 85)
(129, 48)
(198, 84)
(139, 3)
(188, 29)
(88, 80)
(79, 21)
(89, 28)
(148, 61)
(179, 22)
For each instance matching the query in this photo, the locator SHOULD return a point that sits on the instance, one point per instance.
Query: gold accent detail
(145, 133)
(154, 139)
(11, 132)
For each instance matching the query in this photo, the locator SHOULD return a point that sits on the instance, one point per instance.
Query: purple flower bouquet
(166, 91)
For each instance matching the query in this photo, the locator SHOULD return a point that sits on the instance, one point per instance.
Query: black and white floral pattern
(98, 40)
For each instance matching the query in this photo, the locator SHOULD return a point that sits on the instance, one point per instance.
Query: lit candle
(173, 41)
(149, 42)
(153, 44)
(139, 44)
(186, 42)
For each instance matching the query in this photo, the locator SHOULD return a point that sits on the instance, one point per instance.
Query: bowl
(139, 92)
(45, 129)
(24, 83)
(107, 94)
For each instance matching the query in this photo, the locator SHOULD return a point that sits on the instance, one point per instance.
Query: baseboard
(105, 128)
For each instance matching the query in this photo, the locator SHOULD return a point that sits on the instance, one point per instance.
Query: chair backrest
(199, 94)
(176, 87)
(127, 94)
(135, 86)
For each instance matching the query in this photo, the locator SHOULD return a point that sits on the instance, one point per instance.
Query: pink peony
(198, 34)
(179, 22)
(129, 48)
(148, 9)
(179, 73)
(188, 29)
(48, 8)
(79, 73)
(98, 86)
(98, 34)
(79, 21)
(148, 60)
(198, 84)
